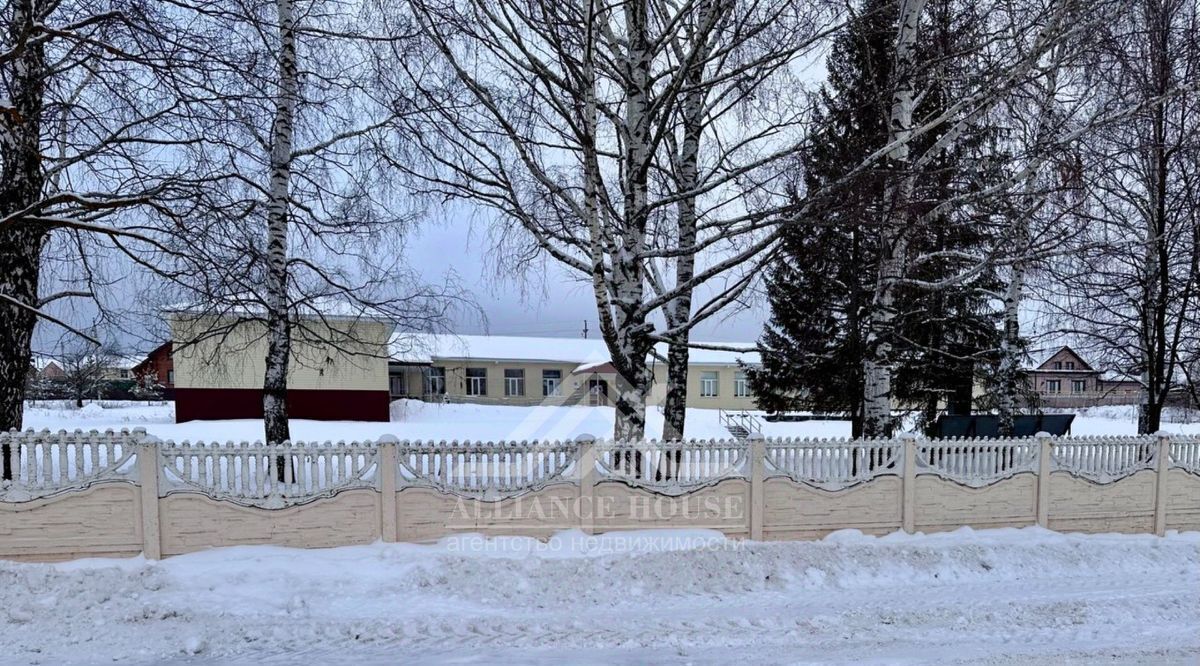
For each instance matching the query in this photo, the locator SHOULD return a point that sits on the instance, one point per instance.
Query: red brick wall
(192, 404)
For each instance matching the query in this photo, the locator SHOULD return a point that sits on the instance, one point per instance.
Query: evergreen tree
(815, 340)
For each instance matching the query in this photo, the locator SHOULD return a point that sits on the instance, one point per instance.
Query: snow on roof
(423, 348)
(41, 362)
(326, 307)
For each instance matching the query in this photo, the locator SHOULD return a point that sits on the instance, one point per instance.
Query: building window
(1058, 365)
(1070, 365)
(1078, 385)
(741, 387)
(171, 377)
(124, 374)
(551, 382)
(708, 384)
(398, 385)
(435, 381)
(514, 381)
(1053, 386)
(476, 381)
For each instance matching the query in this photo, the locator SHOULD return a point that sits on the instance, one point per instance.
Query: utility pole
(585, 329)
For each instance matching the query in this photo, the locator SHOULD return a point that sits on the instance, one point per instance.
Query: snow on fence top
(42, 463)
(273, 475)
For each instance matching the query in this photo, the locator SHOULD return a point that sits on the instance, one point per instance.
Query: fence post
(1163, 469)
(587, 483)
(758, 478)
(908, 485)
(1042, 501)
(148, 466)
(387, 457)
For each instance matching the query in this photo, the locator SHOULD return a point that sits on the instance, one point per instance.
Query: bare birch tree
(1128, 290)
(1017, 44)
(83, 87)
(293, 228)
(599, 131)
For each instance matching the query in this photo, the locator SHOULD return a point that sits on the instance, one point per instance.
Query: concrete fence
(67, 495)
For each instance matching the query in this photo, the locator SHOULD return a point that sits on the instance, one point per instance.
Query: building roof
(1084, 365)
(423, 348)
(330, 308)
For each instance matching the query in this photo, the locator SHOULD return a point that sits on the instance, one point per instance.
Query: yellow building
(510, 370)
(338, 368)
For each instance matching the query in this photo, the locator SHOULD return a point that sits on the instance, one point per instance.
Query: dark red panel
(210, 404)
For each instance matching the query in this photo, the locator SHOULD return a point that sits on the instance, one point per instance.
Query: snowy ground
(1002, 596)
(418, 420)
(411, 419)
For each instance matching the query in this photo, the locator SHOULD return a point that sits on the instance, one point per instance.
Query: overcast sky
(553, 303)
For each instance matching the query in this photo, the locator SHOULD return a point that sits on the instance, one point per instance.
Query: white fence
(1128, 484)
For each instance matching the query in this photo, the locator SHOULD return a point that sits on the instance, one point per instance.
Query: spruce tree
(814, 342)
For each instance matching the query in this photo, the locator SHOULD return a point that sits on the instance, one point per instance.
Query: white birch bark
(678, 311)
(279, 342)
(1009, 371)
(894, 232)
(633, 343)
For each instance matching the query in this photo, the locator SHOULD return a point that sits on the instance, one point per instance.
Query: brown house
(157, 368)
(1065, 379)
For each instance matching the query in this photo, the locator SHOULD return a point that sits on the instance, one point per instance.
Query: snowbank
(645, 597)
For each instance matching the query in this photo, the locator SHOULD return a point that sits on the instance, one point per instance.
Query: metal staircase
(739, 424)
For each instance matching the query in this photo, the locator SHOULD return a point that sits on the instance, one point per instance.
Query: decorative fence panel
(485, 469)
(75, 494)
(833, 464)
(268, 475)
(46, 463)
(674, 467)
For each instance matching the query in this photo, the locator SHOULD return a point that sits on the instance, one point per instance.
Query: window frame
(435, 380)
(475, 385)
(400, 379)
(516, 381)
(1081, 384)
(557, 380)
(710, 379)
(1054, 386)
(741, 385)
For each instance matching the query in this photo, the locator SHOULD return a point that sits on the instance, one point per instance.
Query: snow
(310, 307)
(411, 419)
(996, 596)
(422, 348)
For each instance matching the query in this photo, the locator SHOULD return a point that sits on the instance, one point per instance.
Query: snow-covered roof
(318, 308)
(40, 362)
(422, 348)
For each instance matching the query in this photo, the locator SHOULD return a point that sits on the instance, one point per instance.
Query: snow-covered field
(411, 419)
(427, 421)
(1002, 596)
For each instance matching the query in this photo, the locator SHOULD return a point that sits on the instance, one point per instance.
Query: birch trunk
(1009, 371)
(1010, 352)
(878, 362)
(679, 310)
(21, 184)
(632, 342)
(279, 335)
(1157, 353)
